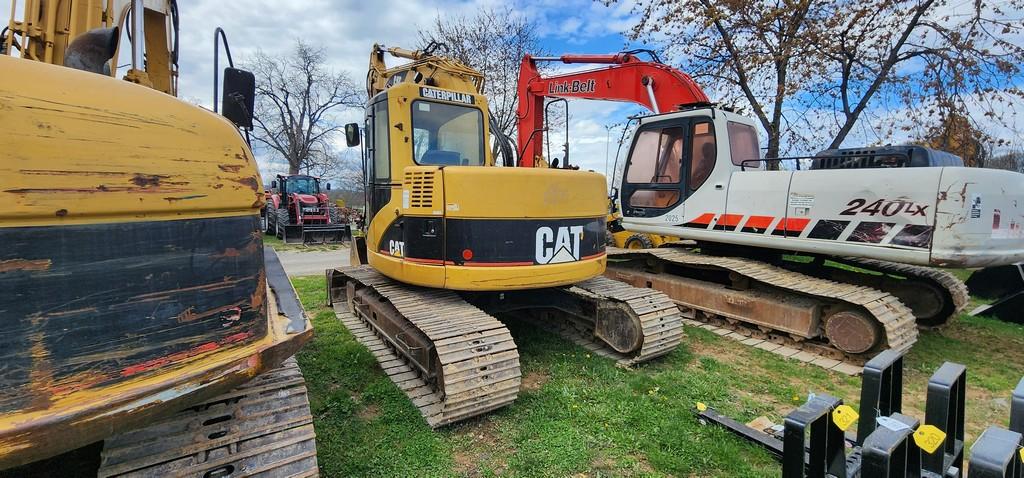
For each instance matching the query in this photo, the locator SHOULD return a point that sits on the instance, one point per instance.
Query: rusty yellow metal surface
(77, 410)
(515, 193)
(184, 157)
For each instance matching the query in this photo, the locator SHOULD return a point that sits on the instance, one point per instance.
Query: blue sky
(347, 28)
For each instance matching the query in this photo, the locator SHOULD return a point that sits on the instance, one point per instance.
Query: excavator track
(263, 428)
(896, 321)
(954, 291)
(660, 320)
(478, 363)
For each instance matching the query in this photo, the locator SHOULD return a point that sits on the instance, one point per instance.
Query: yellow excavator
(453, 240)
(143, 322)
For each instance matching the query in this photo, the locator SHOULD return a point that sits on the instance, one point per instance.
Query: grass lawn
(579, 415)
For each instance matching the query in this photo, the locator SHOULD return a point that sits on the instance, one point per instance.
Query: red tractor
(299, 212)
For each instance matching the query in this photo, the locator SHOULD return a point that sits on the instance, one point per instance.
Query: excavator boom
(651, 84)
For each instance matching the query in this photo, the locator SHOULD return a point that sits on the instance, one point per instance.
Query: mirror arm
(218, 35)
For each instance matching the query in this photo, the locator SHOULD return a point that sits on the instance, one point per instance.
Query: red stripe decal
(513, 264)
(417, 260)
(177, 357)
(703, 219)
(730, 220)
(759, 222)
(491, 264)
(793, 224)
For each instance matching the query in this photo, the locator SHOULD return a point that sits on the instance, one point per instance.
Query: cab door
(653, 178)
(669, 161)
(378, 157)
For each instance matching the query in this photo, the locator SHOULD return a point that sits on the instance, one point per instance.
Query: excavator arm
(652, 84)
(425, 68)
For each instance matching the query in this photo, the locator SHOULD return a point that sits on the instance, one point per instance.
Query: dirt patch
(484, 448)
(535, 380)
(604, 465)
(369, 412)
(725, 350)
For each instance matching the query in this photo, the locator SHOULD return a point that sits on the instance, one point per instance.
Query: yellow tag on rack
(701, 407)
(844, 416)
(929, 438)
(1021, 455)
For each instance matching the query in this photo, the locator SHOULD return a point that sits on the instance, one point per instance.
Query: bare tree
(295, 97)
(939, 62)
(1011, 160)
(753, 51)
(351, 179)
(493, 41)
(795, 62)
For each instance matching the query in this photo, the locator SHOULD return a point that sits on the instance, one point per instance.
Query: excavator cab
(676, 156)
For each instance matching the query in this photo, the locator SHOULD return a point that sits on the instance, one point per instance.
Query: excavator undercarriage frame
(463, 362)
(758, 300)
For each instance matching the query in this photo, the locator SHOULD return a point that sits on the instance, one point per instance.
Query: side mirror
(239, 98)
(352, 134)
(328, 186)
(273, 184)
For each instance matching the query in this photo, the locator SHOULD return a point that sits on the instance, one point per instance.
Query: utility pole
(607, 147)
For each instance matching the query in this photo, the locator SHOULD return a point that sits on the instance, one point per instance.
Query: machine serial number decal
(884, 207)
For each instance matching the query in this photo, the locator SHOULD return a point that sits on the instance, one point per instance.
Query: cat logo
(558, 246)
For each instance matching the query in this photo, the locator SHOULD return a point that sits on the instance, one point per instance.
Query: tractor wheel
(281, 223)
(272, 222)
(639, 241)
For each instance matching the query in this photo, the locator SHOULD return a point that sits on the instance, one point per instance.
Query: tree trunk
(774, 142)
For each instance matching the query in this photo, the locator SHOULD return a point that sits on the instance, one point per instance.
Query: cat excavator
(834, 257)
(145, 329)
(454, 241)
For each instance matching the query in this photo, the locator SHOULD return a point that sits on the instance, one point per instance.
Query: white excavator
(835, 255)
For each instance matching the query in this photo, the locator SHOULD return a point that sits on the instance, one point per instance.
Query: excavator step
(263, 428)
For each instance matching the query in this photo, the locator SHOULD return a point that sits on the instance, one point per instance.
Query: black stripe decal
(914, 236)
(828, 229)
(871, 232)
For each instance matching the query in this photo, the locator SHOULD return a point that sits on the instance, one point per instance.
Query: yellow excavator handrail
(439, 71)
(48, 32)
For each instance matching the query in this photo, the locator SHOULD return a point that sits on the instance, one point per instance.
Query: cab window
(704, 152)
(743, 144)
(447, 135)
(381, 159)
(657, 157)
(303, 186)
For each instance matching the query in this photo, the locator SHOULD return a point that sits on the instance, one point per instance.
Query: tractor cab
(303, 188)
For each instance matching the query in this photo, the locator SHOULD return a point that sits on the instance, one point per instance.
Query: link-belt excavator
(142, 322)
(453, 240)
(833, 257)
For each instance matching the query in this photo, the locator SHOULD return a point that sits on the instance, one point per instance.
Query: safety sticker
(801, 200)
